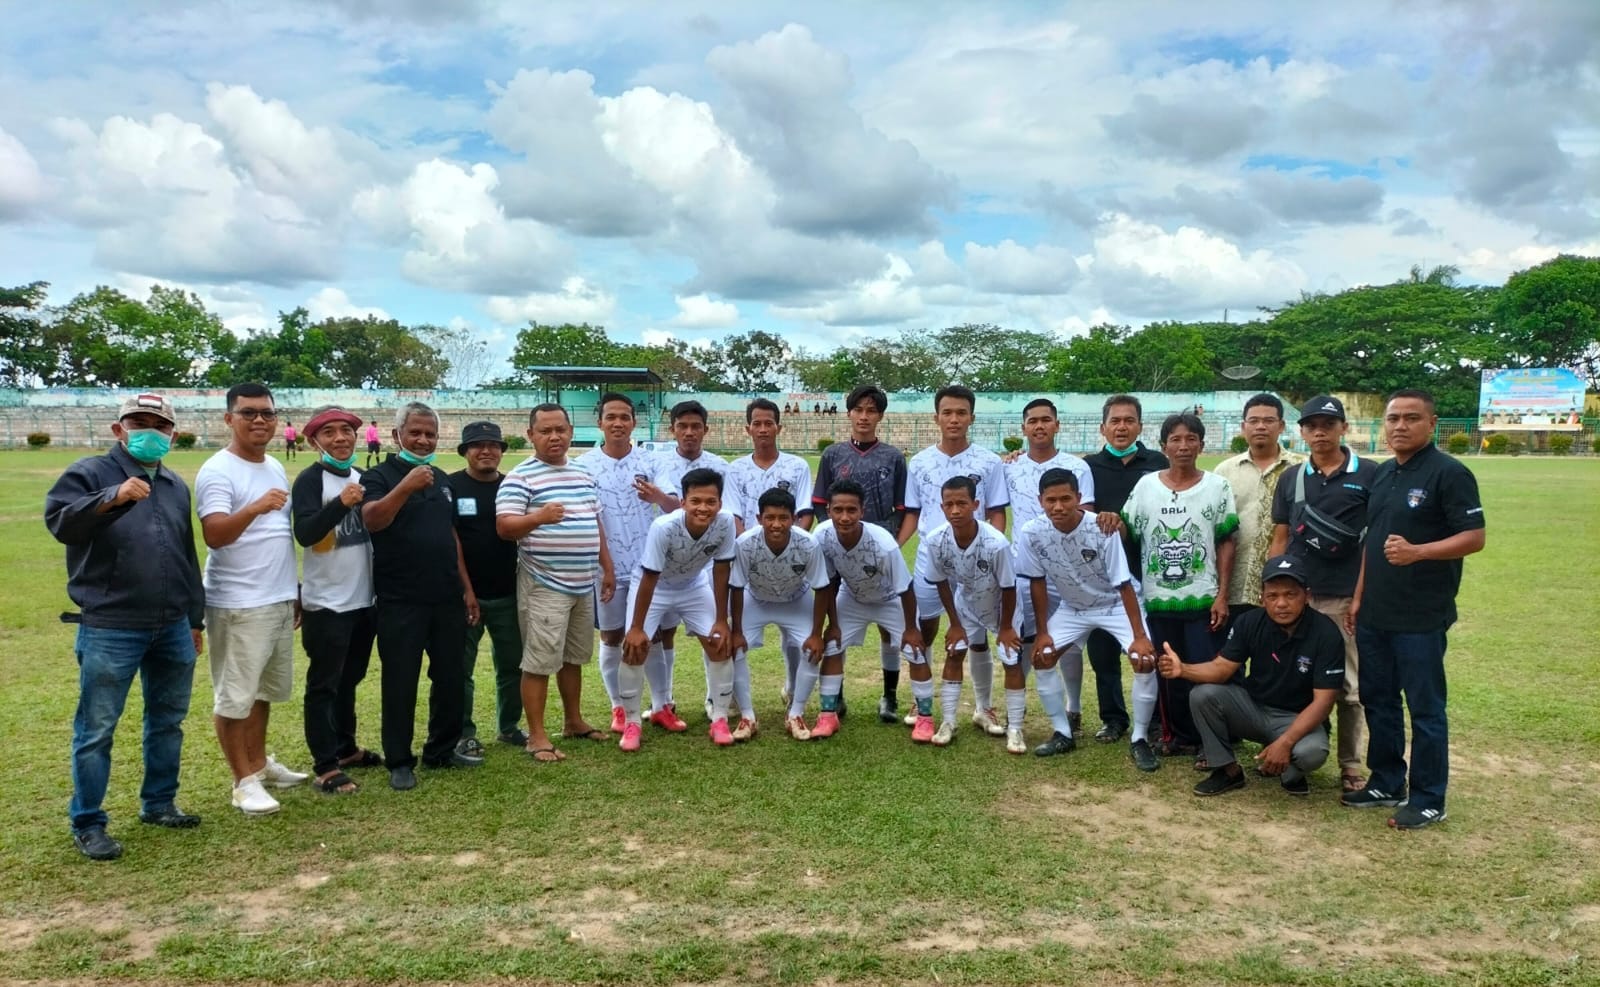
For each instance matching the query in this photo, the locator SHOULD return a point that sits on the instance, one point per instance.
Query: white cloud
(890, 298)
(1140, 268)
(21, 186)
(704, 312)
(332, 303)
(1010, 268)
(578, 301)
(280, 153)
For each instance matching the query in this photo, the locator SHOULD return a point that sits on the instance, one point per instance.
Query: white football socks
(719, 679)
(981, 664)
(1144, 705)
(610, 659)
(792, 660)
(1016, 707)
(922, 692)
(949, 698)
(805, 683)
(1048, 683)
(630, 682)
(741, 686)
(658, 673)
(1071, 666)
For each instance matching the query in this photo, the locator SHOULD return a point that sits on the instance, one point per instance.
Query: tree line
(1423, 328)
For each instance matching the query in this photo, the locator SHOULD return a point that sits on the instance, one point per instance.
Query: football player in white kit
(968, 562)
(682, 577)
(1067, 550)
(777, 569)
(868, 584)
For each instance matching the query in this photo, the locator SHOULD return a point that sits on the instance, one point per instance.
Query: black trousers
(405, 630)
(1105, 657)
(1191, 637)
(338, 650)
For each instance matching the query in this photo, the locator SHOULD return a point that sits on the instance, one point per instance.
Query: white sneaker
(988, 720)
(945, 734)
(278, 776)
(910, 719)
(1014, 742)
(252, 799)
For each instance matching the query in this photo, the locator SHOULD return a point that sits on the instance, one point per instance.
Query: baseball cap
(154, 404)
(479, 432)
(1324, 406)
(1280, 566)
(327, 416)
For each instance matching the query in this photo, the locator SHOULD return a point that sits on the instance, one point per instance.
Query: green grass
(860, 860)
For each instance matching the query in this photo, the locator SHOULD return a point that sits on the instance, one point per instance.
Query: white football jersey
(1085, 566)
(748, 481)
(682, 559)
(670, 468)
(1022, 477)
(781, 578)
(626, 518)
(874, 570)
(977, 574)
(930, 468)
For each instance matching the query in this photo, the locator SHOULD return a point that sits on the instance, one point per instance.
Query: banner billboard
(1530, 399)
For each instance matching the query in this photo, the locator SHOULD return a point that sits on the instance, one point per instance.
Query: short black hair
(1116, 399)
(960, 483)
(607, 398)
(547, 406)
(684, 409)
(1415, 393)
(1264, 400)
(1055, 476)
(959, 393)
(775, 497)
(701, 477)
(1188, 420)
(847, 488)
(1040, 403)
(249, 389)
(762, 404)
(868, 392)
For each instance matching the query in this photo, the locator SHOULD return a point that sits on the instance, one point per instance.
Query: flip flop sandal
(337, 783)
(1353, 783)
(555, 755)
(594, 733)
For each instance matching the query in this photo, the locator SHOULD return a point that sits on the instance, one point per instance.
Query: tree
(105, 338)
(374, 352)
(1169, 356)
(21, 362)
(751, 362)
(989, 358)
(1550, 316)
(469, 357)
(1095, 363)
(294, 356)
(566, 345)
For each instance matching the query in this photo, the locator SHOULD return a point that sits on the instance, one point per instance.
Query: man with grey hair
(425, 598)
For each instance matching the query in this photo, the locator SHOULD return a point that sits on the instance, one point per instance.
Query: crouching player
(968, 562)
(1067, 550)
(777, 569)
(868, 584)
(682, 578)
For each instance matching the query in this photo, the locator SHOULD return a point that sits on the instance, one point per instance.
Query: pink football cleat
(720, 734)
(619, 719)
(632, 733)
(922, 732)
(827, 726)
(667, 719)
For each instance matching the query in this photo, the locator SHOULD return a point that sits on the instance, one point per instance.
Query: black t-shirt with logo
(1428, 498)
(414, 558)
(491, 560)
(1283, 668)
(1341, 496)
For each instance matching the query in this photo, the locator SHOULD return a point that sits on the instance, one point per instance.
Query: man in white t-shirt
(955, 455)
(777, 568)
(252, 594)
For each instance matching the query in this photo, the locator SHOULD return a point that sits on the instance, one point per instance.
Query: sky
(828, 171)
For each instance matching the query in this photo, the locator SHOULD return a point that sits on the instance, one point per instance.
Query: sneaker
(512, 738)
(1014, 742)
(1372, 798)
(469, 747)
(1143, 757)
(169, 816)
(988, 720)
(796, 725)
(945, 734)
(1300, 786)
(619, 719)
(402, 779)
(667, 719)
(456, 759)
(96, 844)
(1075, 721)
(632, 733)
(888, 710)
(1219, 781)
(827, 726)
(1059, 743)
(252, 799)
(278, 776)
(922, 730)
(745, 730)
(1107, 734)
(1408, 818)
(910, 719)
(720, 734)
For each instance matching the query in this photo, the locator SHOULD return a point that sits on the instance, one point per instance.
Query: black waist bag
(1317, 531)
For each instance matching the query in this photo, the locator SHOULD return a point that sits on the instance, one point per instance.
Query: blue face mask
(1122, 453)
(413, 458)
(342, 465)
(148, 445)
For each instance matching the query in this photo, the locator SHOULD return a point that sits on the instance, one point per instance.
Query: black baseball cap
(1284, 566)
(1322, 406)
(479, 432)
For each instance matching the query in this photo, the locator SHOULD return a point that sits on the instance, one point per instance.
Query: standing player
(868, 584)
(777, 567)
(1067, 551)
(955, 455)
(969, 564)
(879, 469)
(749, 477)
(682, 577)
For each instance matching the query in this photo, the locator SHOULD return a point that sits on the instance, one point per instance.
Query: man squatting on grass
(252, 594)
(133, 573)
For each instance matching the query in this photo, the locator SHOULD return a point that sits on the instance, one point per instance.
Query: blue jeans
(108, 660)
(1392, 663)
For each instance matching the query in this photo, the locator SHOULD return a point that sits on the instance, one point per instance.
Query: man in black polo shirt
(1423, 518)
(1332, 486)
(1296, 670)
(425, 598)
(1116, 468)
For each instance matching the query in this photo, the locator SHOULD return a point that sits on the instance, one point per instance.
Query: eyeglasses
(1256, 422)
(252, 414)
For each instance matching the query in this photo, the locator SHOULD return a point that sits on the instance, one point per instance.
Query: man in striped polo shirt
(551, 509)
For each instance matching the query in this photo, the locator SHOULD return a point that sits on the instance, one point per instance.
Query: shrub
(184, 440)
(1515, 448)
(1012, 443)
(1497, 444)
(1594, 446)
(38, 440)
(516, 443)
(1561, 444)
(1239, 443)
(1458, 443)
(823, 444)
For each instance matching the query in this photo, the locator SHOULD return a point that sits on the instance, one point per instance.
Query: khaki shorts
(252, 657)
(557, 627)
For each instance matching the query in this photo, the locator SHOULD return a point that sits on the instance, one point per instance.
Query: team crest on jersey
(984, 565)
(1302, 664)
(869, 571)
(883, 472)
(949, 565)
(640, 478)
(798, 568)
(709, 549)
(976, 478)
(1415, 496)
(784, 485)
(1089, 554)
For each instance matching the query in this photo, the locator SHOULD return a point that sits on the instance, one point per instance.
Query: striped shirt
(566, 555)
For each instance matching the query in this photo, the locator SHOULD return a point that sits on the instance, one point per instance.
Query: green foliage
(1497, 444)
(1011, 443)
(824, 442)
(1516, 447)
(516, 443)
(1239, 443)
(1561, 444)
(1458, 443)
(184, 440)
(20, 332)
(1594, 446)
(1550, 316)
(38, 440)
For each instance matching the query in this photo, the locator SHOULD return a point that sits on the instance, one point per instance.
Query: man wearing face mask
(133, 572)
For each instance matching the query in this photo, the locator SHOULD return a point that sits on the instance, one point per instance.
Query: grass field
(858, 860)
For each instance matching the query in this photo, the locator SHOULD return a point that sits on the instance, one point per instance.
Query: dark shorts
(374, 446)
